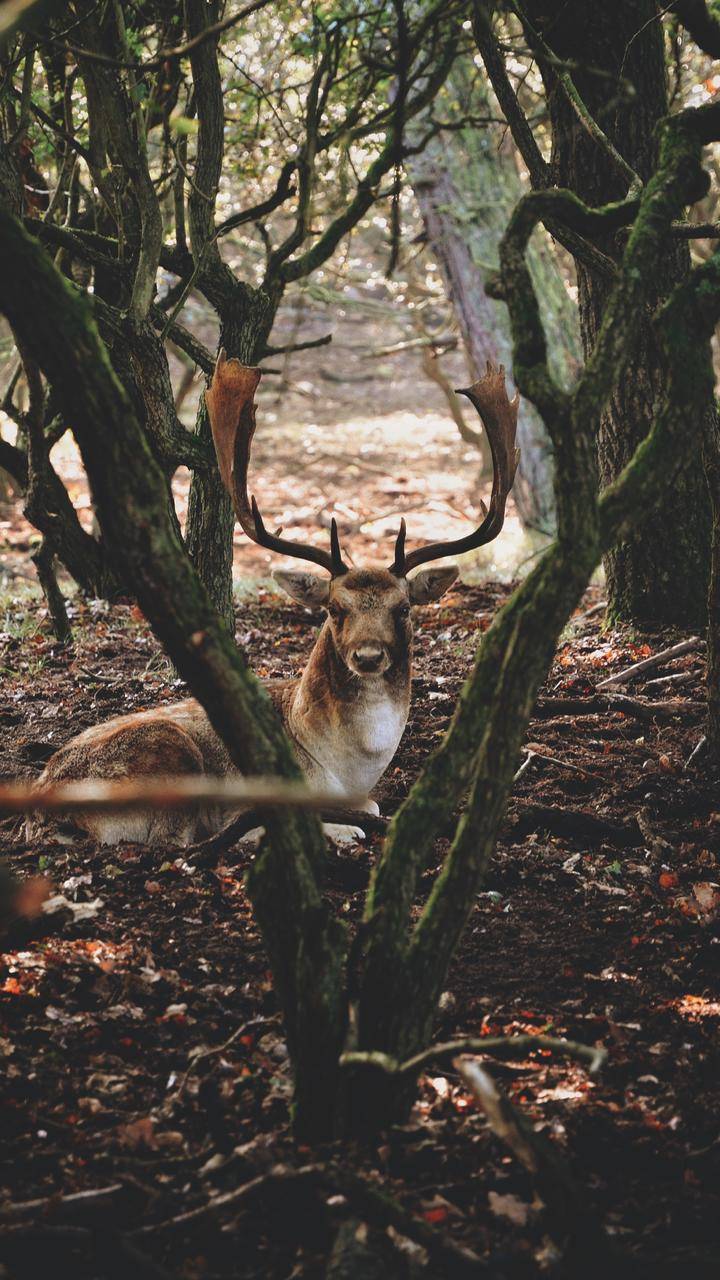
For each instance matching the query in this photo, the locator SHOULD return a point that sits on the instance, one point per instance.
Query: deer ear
(306, 588)
(430, 584)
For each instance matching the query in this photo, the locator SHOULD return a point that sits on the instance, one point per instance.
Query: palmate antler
(230, 401)
(499, 415)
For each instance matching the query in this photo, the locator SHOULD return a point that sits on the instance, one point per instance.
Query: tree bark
(659, 572)
(466, 185)
(246, 321)
(712, 468)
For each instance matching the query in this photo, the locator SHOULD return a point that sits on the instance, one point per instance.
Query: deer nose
(368, 657)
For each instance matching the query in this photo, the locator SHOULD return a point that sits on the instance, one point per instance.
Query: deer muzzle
(369, 659)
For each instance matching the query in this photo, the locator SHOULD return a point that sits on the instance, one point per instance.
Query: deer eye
(403, 611)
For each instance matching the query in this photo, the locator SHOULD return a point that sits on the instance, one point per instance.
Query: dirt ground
(609, 937)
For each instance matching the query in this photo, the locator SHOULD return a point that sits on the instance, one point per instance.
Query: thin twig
(656, 660)
(696, 752)
(564, 764)
(178, 51)
(253, 1025)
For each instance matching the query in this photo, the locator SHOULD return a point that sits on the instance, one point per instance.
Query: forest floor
(605, 932)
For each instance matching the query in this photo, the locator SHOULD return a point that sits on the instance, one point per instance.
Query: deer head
(368, 609)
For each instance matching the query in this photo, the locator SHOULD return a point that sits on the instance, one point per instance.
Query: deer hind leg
(152, 749)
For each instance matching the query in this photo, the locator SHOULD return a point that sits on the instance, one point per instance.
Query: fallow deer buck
(346, 714)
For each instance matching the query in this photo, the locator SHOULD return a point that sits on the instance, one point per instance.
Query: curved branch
(502, 1046)
(702, 21)
(177, 51)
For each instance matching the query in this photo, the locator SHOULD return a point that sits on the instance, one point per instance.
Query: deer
(347, 711)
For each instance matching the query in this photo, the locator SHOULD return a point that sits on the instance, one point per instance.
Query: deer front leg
(343, 833)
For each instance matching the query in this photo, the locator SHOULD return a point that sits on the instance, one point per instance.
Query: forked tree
(141, 145)
(347, 712)
(355, 1013)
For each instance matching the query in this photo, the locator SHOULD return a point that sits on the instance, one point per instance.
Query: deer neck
(348, 727)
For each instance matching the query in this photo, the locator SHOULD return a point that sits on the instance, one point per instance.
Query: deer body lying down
(347, 712)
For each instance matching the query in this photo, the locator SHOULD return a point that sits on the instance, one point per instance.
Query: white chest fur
(375, 721)
(357, 750)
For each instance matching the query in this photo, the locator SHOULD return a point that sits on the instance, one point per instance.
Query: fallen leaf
(139, 1133)
(509, 1206)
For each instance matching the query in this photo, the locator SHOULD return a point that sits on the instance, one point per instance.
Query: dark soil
(613, 942)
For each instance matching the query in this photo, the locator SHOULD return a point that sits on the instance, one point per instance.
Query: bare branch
(501, 1046)
(178, 51)
(183, 339)
(297, 346)
(95, 795)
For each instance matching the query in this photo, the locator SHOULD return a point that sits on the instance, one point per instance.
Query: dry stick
(165, 793)
(679, 677)
(654, 710)
(66, 1208)
(656, 660)
(524, 766)
(591, 1249)
(253, 1025)
(696, 752)
(551, 707)
(564, 764)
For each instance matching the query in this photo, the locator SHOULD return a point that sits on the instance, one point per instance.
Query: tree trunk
(209, 530)
(712, 467)
(466, 185)
(244, 332)
(659, 572)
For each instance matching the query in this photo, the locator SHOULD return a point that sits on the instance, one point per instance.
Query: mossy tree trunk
(659, 573)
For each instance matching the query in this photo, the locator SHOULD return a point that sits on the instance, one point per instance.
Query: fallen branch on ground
(655, 660)
(677, 678)
(255, 1024)
(573, 824)
(697, 752)
(534, 754)
(500, 1046)
(643, 710)
(71, 1208)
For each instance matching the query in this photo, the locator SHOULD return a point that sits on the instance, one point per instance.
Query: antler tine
(499, 416)
(398, 565)
(230, 401)
(338, 565)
